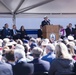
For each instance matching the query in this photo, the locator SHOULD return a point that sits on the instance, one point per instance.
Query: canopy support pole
(14, 19)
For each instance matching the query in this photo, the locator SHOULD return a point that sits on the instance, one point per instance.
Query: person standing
(46, 21)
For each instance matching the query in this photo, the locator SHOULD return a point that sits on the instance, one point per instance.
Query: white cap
(71, 38)
(6, 40)
(18, 46)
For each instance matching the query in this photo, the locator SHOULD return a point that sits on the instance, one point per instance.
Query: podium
(50, 29)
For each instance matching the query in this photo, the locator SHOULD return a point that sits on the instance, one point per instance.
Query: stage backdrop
(34, 23)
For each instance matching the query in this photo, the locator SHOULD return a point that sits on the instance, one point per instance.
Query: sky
(34, 23)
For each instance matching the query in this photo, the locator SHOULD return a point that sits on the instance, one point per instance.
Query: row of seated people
(38, 57)
(13, 33)
(63, 32)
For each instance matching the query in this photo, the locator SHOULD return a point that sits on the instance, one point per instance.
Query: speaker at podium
(49, 30)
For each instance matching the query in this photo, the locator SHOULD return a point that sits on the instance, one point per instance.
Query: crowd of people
(37, 56)
(69, 30)
(13, 33)
(63, 32)
(24, 55)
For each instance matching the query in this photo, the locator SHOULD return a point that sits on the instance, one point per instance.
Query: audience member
(63, 63)
(69, 30)
(39, 64)
(50, 55)
(19, 41)
(22, 67)
(43, 45)
(23, 33)
(10, 57)
(29, 56)
(75, 32)
(5, 69)
(62, 32)
(39, 34)
(70, 47)
(6, 32)
(14, 32)
(27, 53)
(39, 41)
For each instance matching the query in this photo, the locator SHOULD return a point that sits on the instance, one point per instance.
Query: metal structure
(37, 8)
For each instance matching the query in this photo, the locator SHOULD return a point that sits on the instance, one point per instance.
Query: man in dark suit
(39, 65)
(40, 32)
(22, 67)
(14, 32)
(6, 32)
(46, 21)
(69, 30)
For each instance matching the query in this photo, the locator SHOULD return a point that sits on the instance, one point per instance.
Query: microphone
(49, 20)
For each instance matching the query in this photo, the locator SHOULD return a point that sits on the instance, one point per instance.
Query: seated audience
(6, 32)
(10, 57)
(19, 41)
(39, 41)
(5, 41)
(22, 67)
(5, 69)
(23, 33)
(49, 53)
(63, 64)
(14, 32)
(62, 32)
(43, 45)
(39, 64)
(71, 46)
(69, 30)
(75, 32)
(39, 34)
(27, 53)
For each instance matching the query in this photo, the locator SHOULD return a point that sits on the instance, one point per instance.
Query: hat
(28, 47)
(72, 44)
(37, 50)
(9, 44)
(1, 41)
(60, 40)
(6, 40)
(25, 41)
(50, 47)
(13, 42)
(18, 46)
(45, 16)
(44, 43)
(33, 39)
(33, 45)
(70, 38)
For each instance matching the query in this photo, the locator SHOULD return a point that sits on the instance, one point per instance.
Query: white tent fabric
(38, 8)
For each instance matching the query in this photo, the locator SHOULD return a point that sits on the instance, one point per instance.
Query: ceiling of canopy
(37, 8)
